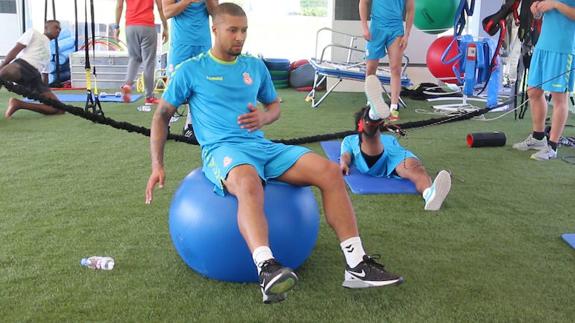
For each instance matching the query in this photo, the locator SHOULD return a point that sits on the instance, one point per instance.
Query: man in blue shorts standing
(385, 36)
(190, 33)
(379, 155)
(223, 87)
(551, 70)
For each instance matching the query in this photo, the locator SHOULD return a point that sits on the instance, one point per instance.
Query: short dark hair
(362, 114)
(228, 8)
(359, 115)
(53, 21)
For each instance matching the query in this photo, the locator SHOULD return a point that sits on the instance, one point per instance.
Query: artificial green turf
(71, 188)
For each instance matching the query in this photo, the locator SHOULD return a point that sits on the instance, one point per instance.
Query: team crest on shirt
(247, 78)
(227, 161)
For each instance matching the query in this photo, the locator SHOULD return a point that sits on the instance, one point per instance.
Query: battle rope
(97, 118)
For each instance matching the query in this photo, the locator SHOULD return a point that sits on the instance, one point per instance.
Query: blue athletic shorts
(392, 157)
(269, 159)
(178, 54)
(381, 39)
(551, 71)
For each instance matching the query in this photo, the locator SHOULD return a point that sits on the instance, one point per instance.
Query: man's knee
(330, 175)
(559, 99)
(244, 181)
(395, 69)
(9, 73)
(534, 93)
(371, 67)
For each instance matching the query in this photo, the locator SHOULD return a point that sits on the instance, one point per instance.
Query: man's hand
(403, 42)
(253, 120)
(547, 5)
(165, 36)
(117, 33)
(157, 177)
(344, 168)
(366, 34)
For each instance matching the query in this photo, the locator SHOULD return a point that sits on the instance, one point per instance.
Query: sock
(553, 145)
(393, 107)
(260, 255)
(425, 193)
(538, 135)
(373, 115)
(353, 251)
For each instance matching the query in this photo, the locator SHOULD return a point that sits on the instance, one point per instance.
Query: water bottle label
(97, 262)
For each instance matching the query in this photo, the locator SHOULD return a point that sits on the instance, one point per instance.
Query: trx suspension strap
(56, 47)
(464, 9)
(528, 33)
(76, 25)
(23, 16)
(92, 100)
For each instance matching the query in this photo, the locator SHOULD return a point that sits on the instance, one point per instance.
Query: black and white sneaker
(369, 273)
(276, 281)
(188, 131)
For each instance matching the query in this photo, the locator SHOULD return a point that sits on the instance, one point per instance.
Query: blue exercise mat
(365, 184)
(570, 239)
(81, 97)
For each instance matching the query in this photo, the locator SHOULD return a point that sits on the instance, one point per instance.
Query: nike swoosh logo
(360, 274)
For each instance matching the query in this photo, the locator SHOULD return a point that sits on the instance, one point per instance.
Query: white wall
(11, 30)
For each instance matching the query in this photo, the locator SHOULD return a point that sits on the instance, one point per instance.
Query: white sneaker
(546, 153)
(374, 93)
(531, 143)
(437, 192)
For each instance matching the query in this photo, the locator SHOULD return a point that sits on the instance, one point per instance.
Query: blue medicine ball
(204, 228)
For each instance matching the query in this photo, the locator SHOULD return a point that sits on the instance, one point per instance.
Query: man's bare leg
(244, 182)
(361, 271)
(16, 104)
(413, 170)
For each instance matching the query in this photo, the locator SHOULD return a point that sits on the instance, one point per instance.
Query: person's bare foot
(12, 107)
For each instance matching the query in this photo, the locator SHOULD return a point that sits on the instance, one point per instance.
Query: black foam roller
(486, 139)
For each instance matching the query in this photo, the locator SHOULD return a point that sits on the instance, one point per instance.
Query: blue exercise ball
(205, 233)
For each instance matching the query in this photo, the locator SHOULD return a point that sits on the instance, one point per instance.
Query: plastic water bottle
(145, 108)
(97, 262)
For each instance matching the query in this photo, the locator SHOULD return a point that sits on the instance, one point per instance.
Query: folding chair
(348, 69)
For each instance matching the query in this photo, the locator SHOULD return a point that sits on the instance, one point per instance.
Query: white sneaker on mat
(437, 192)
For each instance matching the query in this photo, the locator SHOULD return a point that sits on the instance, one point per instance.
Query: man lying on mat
(376, 154)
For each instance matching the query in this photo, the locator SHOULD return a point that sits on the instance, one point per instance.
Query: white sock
(425, 193)
(393, 107)
(260, 255)
(353, 251)
(373, 114)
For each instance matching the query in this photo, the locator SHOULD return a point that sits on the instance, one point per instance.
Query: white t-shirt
(37, 50)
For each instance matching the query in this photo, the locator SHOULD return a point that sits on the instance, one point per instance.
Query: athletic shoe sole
(271, 299)
(374, 93)
(354, 282)
(536, 156)
(281, 283)
(442, 186)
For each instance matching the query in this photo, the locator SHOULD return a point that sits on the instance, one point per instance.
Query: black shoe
(369, 273)
(188, 132)
(275, 281)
